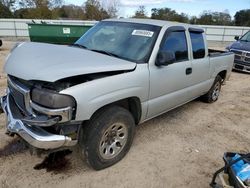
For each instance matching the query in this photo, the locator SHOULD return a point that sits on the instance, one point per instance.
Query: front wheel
(107, 137)
(214, 92)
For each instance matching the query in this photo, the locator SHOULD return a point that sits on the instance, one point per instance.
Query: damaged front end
(42, 117)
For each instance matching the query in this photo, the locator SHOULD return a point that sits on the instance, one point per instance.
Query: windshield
(246, 37)
(129, 41)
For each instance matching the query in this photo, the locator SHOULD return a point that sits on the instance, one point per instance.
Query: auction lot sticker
(143, 33)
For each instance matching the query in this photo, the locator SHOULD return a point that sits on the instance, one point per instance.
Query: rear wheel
(214, 93)
(107, 138)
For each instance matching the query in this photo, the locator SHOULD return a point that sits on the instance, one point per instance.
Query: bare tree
(32, 3)
(111, 6)
(95, 10)
(8, 3)
(40, 3)
(69, 12)
(140, 12)
(5, 10)
(56, 3)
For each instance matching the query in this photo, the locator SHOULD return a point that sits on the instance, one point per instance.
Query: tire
(1, 43)
(107, 137)
(214, 92)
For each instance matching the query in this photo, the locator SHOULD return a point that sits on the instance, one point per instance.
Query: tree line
(102, 9)
(241, 18)
(56, 9)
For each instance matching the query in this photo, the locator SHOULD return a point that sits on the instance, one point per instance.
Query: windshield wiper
(79, 45)
(99, 51)
(105, 52)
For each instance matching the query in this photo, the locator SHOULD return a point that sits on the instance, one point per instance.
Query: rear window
(198, 45)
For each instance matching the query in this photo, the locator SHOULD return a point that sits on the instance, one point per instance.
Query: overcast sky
(190, 7)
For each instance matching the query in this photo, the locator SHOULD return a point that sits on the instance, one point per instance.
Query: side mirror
(236, 37)
(165, 58)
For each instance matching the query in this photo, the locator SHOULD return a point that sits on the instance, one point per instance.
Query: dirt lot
(179, 149)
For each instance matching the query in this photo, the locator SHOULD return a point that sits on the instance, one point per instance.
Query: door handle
(189, 71)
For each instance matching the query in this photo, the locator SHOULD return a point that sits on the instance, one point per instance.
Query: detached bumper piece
(27, 128)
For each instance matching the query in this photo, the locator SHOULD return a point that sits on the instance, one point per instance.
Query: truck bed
(220, 60)
(215, 53)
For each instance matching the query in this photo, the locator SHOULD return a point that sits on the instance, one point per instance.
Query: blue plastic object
(241, 169)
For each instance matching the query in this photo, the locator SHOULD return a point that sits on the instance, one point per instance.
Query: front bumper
(32, 134)
(241, 60)
(241, 67)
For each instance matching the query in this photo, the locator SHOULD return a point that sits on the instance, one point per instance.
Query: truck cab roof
(155, 22)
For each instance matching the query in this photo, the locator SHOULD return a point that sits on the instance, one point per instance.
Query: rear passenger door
(200, 62)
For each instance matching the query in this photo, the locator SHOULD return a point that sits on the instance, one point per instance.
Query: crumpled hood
(241, 45)
(48, 62)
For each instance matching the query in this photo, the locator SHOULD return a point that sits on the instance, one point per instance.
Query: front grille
(241, 57)
(20, 94)
(241, 63)
(18, 97)
(239, 67)
(237, 57)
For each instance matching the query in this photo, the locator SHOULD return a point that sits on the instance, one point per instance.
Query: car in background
(241, 49)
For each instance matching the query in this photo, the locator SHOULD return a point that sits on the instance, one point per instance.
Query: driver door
(168, 84)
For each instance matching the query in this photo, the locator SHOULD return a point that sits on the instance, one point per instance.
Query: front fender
(93, 95)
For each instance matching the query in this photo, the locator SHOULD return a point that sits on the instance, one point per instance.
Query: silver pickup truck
(121, 73)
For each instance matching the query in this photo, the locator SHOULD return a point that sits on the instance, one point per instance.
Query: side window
(198, 45)
(176, 42)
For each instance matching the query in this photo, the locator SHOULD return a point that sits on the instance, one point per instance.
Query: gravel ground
(181, 148)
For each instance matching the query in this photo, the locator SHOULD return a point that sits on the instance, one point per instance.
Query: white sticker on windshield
(143, 33)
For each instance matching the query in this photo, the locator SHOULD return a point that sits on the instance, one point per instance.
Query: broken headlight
(52, 99)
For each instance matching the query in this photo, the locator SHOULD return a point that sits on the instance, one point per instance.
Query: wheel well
(223, 74)
(132, 104)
